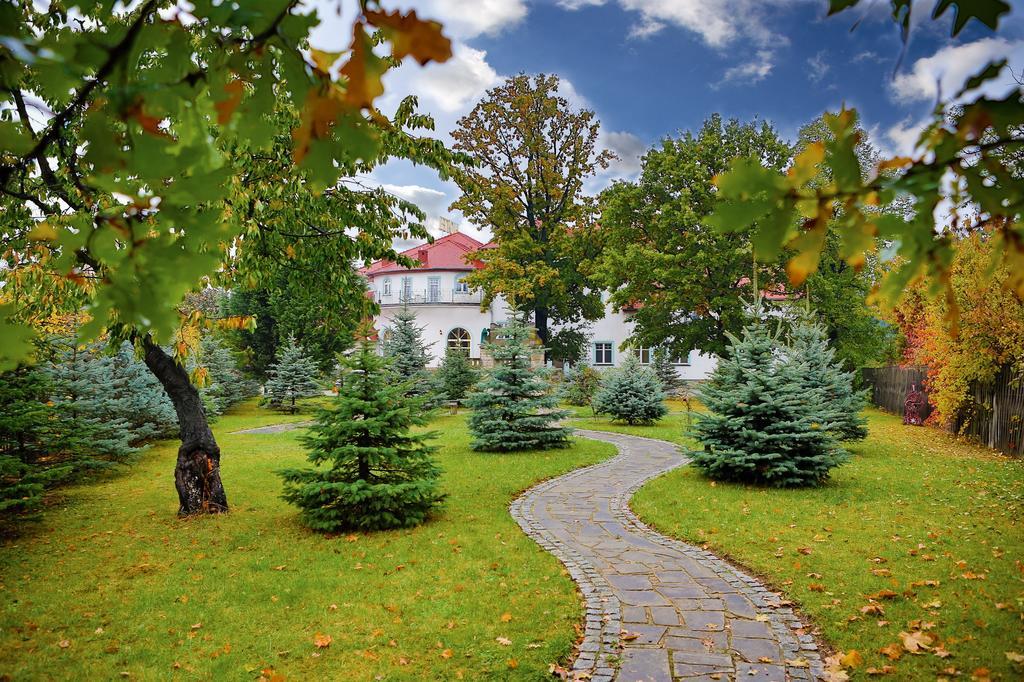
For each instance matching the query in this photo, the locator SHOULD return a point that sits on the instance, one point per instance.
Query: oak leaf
(322, 641)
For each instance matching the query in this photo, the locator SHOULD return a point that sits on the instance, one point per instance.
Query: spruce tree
(842, 404)
(292, 376)
(763, 423)
(455, 377)
(631, 393)
(140, 399)
(580, 385)
(84, 391)
(225, 385)
(512, 407)
(408, 352)
(665, 370)
(372, 472)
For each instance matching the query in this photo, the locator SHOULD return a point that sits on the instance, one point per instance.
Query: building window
(603, 353)
(387, 286)
(434, 289)
(643, 354)
(684, 360)
(458, 339)
(406, 289)
(461, 287)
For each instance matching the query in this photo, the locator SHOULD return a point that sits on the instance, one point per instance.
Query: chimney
(421, 256)
(448, 226)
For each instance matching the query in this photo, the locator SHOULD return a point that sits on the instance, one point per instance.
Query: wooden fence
(993, 414)
(889, 386)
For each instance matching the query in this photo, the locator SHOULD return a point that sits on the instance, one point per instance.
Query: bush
(763, 422)
(580, 385)
(371, 472)
(631, 393)
(512, 407)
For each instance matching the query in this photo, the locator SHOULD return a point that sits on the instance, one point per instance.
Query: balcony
(429, 297)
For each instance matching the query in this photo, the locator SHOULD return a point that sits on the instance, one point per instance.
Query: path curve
(695, 616)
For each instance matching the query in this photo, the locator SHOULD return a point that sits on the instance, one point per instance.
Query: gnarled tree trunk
(197, 473)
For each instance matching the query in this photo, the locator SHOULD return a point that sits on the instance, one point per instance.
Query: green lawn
(110, 581)
(913, 505)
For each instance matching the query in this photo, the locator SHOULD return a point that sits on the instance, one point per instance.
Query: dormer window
(386, 291)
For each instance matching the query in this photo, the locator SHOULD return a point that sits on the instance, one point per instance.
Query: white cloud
(752, 71)
(717, 22)
(817, 67)
(456, 84)
(942, 74)
(900, 139)
(628, 147)
(480, 17)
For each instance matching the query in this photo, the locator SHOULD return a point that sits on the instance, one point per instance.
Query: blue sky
(651, 68)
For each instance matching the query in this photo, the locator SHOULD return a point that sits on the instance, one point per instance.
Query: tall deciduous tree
(534, 153)
(659, 250)
(972, 158)
(128, 205)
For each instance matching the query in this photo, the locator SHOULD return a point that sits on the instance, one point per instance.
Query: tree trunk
(197, 473)
(540, 321)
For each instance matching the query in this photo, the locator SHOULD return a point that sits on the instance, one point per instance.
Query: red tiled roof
(446, 253)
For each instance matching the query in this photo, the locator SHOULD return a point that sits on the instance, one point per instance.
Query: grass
(110, 581)
(913, 505)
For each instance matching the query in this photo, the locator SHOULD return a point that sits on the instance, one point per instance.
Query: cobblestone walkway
(276, 428)
(660, 609)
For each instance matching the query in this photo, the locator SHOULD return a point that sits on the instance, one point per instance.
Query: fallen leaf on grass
(506, 617)
(873, 610)
(917, 642)
(971, 575)
(884, 670)
(816, 587)
(512, 663)
(447, 653)
(934, 604)
(504, 641)
(883, 594)
(881, 572)
(322, 641)
(893, 651)
(64, 643)
(851, 659)
(941, 651)
(1014, 657)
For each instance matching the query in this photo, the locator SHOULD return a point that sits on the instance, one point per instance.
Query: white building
(450, 312)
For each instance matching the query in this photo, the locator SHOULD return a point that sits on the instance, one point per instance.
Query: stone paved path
(662, 609)
(276, 428)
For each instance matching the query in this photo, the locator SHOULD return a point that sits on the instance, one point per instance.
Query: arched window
(458, 339)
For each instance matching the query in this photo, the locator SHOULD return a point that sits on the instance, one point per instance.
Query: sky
(656, 68)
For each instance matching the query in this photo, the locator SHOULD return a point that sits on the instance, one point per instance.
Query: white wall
(437, 320)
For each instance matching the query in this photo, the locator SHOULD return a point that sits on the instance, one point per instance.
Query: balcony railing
(429, 297)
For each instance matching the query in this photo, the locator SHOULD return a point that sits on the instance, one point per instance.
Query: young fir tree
(580, 385)
(140, 399)
(84, 390)
(292, 376)
(408, 352)
(512, 408)
(225, 384)
(763, 423)
(31, 440)
(455, 377)
(632, 393)
(665, 370)
(371, 472)
(842, 404)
